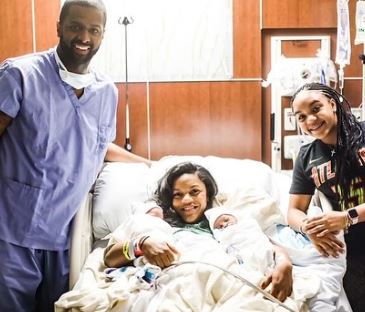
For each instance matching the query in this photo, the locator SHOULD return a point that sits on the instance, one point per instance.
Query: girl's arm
(325, 242)
(334, 221)
(297, 211)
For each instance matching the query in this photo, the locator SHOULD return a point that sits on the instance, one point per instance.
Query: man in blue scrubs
(57, 122)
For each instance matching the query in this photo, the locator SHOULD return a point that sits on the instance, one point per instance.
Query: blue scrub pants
(31, 279)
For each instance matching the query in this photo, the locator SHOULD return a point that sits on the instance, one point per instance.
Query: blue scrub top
(51, 152)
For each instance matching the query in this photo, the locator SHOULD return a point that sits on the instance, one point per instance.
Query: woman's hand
(331, 221)
(322, 230)
(280, 278)
(159, 252)
(327, 245)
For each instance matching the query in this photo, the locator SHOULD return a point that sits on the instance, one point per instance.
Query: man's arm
(4, 122)
(117, 153)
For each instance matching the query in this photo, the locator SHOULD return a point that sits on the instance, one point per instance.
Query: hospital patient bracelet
(133, 249)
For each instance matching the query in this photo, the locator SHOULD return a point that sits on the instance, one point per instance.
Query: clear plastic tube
(343, 49)
(360, 22)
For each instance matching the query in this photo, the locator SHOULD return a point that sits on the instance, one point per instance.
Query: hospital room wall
(220, 118)
(22, 32)
(209, 118)
(224, 118)
(310, 17)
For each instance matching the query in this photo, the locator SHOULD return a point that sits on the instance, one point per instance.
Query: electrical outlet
(357, 112)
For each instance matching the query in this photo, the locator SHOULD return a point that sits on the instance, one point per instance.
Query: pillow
(160, 167)
(121, 186)
(229, 173)
(117, 187)
(282, 185)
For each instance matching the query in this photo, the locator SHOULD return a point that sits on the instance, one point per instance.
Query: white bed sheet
(188, 287)
(117, 188)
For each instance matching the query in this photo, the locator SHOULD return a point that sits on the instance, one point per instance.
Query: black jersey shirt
(315, 168)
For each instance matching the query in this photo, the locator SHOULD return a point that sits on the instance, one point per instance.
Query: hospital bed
(117, 190)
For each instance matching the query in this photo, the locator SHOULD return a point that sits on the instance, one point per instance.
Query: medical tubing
(343, 48)
(266, 294)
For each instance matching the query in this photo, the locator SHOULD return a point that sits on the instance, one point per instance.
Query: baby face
(155, 212)
(224, 220)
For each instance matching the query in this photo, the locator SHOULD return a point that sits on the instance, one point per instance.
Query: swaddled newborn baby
(243, 239)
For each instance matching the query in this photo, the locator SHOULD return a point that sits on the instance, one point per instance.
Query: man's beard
(71, 58)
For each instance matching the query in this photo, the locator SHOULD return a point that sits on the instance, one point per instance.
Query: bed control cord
(266, 294)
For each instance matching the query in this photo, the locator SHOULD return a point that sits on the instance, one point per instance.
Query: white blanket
(188, 287)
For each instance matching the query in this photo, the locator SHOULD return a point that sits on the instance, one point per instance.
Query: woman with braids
(184, 193)
(334, 164)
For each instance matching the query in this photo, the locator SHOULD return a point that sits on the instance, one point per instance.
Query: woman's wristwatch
(353, 216)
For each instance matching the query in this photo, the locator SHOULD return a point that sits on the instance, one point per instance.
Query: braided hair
(349, 138)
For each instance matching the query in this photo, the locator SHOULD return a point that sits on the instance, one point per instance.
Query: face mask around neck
(77, 81)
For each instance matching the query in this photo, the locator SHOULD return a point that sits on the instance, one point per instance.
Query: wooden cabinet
(27, 26)
(299, 14)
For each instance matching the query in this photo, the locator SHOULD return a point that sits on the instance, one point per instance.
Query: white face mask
(77, 81)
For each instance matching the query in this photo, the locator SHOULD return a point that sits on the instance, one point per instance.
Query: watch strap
(353, 216)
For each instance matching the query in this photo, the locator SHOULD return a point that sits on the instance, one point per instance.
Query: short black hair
(98, 4)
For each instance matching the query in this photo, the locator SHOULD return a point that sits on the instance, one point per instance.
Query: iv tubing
(266, 294)
(363, 88)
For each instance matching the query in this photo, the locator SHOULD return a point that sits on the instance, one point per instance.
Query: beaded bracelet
(347, 224)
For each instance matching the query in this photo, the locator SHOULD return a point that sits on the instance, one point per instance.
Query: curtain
(169, 40)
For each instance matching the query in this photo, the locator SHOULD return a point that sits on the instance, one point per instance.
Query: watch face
(352, 213)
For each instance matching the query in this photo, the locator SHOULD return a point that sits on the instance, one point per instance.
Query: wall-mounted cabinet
(299, 14)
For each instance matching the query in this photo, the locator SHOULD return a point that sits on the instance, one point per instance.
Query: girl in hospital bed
(246, 241)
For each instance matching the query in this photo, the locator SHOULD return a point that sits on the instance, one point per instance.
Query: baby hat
(143, 207)
(212, 214)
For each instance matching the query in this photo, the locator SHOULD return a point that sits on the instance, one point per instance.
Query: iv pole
(359, 38)
(127, 145)
(362, 58)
